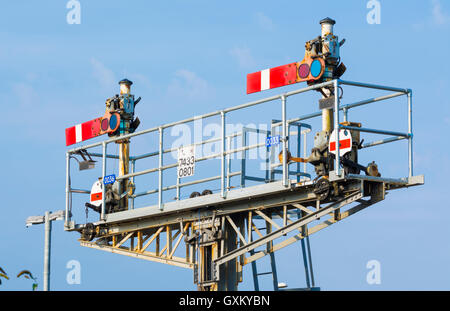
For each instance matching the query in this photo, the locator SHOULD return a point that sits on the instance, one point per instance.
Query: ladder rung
(262, 273)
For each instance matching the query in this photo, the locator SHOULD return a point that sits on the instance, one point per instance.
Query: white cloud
(103, 75)
(42, 117)
(243, 57)
(142, 80)
(264, 22)
(189, 85)
(26, 96)
(439, 17)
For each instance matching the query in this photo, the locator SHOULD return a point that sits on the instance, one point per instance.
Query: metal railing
(224, 154)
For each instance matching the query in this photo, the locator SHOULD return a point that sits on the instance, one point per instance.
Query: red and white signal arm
(96, 193)
(345, 142)
(107, 124)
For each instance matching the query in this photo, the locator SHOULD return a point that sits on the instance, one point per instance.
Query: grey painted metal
(79, 191)
(237, 200)
(305, 168)
(178, 194)
(337, 162)
(371, 100)
(375, 131)
(211, 156)
(244, 176)
(349, 106)
(374, 86)
(401, 181)
(103, 210)
(133, 168)
(67, 219)
(286, 229)
(310, 261)
(169, 150)
(160, 171)
(243, 156)
(287, 94)
(180, 185)
(255, 274)
(100, 155)
(228, 163)
(47, 219)
(410, 136)
(47, 245)
(144, 255)
(283, 131)
(382, 141)
(303, 247)
(147, 155)
(273, 266)
(222, 158)
(305, 263)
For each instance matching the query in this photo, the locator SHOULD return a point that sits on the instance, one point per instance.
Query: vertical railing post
(345, 114)
(178, 188)
(133, 168)
(410, 135)
(67, 217)
(284, 134)
(228, 162)
(337, 166)
(103, 210)
(305, 153)
(160, 172)
(243, 156)
(222, 171)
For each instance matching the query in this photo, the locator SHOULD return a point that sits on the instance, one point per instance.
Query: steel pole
(47, 245)
(124, 163)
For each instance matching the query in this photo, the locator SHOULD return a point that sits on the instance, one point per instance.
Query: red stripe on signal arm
(89, 129)
(283, 75)
(70, 136)
(254, 82)
(342, 145)
(96, 196)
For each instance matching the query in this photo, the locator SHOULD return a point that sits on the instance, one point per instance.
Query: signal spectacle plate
(113, 122)
(316, 68)
(303, 71)
(104, 124)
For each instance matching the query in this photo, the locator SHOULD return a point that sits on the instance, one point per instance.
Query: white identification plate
(186, 161)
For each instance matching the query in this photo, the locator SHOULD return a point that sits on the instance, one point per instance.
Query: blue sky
(191, 57)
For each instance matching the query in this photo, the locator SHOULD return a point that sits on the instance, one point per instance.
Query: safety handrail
(224, 153)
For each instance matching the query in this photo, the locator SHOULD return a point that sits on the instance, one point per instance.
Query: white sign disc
(96, 193)
(186, 161)
(345, 142)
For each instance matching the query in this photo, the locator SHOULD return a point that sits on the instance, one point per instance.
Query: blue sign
(272, 140)
(110, 179)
